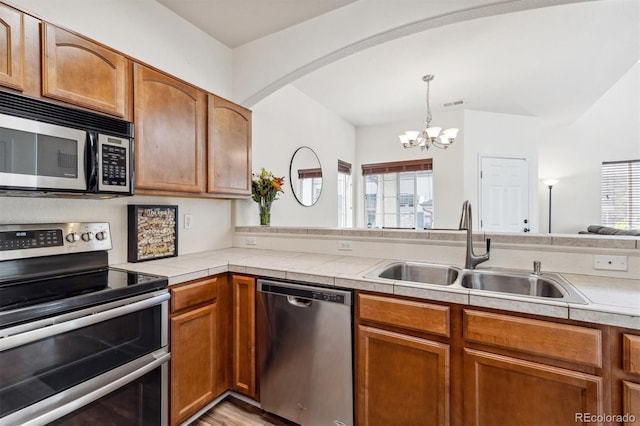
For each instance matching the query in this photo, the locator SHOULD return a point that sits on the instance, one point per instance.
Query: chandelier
(430, 135)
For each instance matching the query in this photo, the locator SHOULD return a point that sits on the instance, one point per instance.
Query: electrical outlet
(344, 245)
(250, 241)
(188, 221)
(609, 263)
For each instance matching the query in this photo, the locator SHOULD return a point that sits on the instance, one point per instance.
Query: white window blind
(620, 205)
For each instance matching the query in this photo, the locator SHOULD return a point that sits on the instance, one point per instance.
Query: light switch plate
(609, 263)
(188, 221)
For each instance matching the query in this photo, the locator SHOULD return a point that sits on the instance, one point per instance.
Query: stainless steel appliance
(47, 148)
(80, 343)
(305, 352)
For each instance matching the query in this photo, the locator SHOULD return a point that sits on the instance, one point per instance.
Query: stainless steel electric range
(80, 343)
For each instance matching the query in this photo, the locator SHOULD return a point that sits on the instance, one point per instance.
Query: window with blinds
(398, 194)
(620, 205)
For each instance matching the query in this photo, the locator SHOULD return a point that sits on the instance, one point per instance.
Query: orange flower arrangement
(265, 188)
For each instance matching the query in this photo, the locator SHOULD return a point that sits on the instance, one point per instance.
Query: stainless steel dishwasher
(305, 353)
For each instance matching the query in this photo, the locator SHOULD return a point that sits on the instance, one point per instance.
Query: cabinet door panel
(504, 390)
(170, 119)
(402, 380)
(229, 152)
(81, 72)
(244, 326)
(193, 361)
(631, 401)
(11, 48)
(631, 354)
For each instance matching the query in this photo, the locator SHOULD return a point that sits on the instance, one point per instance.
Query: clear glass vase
(265, 213)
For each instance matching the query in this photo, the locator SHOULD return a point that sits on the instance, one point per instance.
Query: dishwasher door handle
(300, 303)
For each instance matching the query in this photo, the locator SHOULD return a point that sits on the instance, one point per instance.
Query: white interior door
(504, 194)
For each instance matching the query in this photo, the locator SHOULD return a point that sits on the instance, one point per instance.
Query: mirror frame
(293, 187)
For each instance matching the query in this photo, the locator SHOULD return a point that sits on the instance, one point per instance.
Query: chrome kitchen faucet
(471, 259)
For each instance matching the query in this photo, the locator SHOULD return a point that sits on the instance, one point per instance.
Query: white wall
(211, 218)
(283, 122)
(379, 144)
(573, 154)
(499, 135)
(148, 32)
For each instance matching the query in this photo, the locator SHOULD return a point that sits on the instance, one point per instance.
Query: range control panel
(31, 240)
(18, 240)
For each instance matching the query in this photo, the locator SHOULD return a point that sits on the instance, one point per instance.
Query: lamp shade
(451, 133)
(433, 132)
(444, 140)
(412, 134)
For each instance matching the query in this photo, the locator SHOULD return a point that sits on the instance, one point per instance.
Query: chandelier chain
(429, 116)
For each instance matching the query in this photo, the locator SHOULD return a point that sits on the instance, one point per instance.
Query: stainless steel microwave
(50, 149)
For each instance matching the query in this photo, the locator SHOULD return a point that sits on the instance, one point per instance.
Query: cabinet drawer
(193, 293)
(419, 316)
(631, 353)
(559, 341)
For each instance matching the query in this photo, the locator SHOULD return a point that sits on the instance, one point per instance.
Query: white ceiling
(236, 22)
(551, 63)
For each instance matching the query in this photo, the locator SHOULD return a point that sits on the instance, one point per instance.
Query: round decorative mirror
(305, 174)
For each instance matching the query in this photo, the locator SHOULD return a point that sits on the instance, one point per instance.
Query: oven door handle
(85, 393)
(73, 324)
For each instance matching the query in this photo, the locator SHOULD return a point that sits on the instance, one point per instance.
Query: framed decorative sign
(153, 232)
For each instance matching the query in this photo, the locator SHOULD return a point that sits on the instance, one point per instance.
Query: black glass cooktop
(29, 300)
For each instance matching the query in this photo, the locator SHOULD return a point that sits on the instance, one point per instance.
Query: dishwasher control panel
(328, 297)
(302, 291)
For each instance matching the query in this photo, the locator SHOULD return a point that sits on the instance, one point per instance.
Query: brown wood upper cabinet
(84, 73)
(170, 125)
(12, 45)
(229, 148)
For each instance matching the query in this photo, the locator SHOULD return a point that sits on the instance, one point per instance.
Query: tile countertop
(613, 301)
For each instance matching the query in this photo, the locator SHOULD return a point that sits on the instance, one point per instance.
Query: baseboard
(217, 401)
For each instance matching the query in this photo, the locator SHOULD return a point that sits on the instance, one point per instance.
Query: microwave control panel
(114, 163)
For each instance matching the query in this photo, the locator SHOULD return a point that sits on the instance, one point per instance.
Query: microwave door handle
(92, 161)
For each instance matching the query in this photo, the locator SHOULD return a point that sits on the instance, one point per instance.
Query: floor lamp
(550, 183)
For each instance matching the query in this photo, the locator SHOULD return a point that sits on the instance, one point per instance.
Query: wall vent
(453, 103)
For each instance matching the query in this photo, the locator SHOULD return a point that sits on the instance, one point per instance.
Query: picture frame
(152, 232)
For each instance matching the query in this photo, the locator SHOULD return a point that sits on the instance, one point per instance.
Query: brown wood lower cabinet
(402, 380)
(193, 352)
(244, 337)
(429, 363)
(626, 375)
(195, 347)
(504, 390)
(212, 330)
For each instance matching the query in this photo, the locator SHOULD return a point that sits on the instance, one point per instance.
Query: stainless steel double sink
(545, 286)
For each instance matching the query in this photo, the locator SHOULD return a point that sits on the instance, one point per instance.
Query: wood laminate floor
(234, 412)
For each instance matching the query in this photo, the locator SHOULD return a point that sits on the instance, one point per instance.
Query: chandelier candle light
(430, 135)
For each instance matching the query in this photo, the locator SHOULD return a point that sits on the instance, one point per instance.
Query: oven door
(38, 155)
(53, 367)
